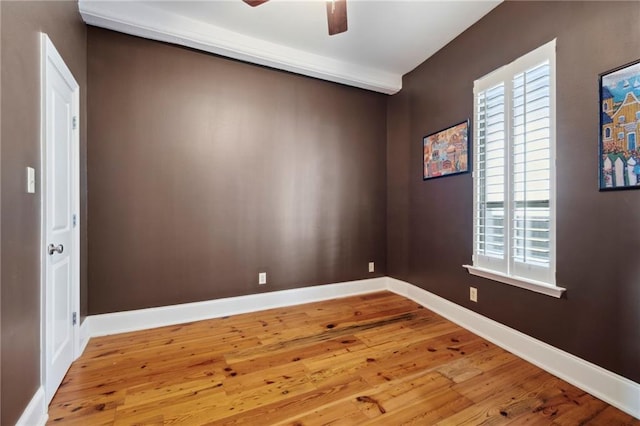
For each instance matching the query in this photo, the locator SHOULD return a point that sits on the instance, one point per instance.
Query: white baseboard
(609, 387)
(142, 319)
(84, 336)
(36, 412)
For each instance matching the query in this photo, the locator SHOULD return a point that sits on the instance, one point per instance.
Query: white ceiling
(386, 38)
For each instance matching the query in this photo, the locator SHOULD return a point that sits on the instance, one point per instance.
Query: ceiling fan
(336, 14)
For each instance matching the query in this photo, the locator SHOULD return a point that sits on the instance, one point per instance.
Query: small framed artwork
(446, 152)
(620, 128)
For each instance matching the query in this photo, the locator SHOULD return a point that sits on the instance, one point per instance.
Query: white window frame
(541, 280)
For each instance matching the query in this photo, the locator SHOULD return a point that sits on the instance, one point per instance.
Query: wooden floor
(373, 359)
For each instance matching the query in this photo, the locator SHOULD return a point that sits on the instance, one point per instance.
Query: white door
(60, 203)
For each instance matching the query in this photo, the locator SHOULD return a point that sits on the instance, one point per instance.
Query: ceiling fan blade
(254, 3)
(336, 16)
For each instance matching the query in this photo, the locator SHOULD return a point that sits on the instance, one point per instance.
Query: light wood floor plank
(376, 359)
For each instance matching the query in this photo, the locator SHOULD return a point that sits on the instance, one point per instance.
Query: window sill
(536, 286)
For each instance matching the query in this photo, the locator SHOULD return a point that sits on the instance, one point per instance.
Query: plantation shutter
(514, 193)
(490, 236)
(531, 171)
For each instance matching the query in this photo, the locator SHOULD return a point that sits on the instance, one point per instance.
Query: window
(607, 133)
(637, 115)
(620, 135)
(621, 119)
(514, 173)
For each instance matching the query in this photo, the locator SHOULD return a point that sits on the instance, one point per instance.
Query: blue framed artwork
(620, 128)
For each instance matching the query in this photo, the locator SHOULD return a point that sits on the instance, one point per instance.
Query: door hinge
(74, 220)
(74, 122)
(74, 318)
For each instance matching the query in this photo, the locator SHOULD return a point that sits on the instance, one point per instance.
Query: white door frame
(50, 55)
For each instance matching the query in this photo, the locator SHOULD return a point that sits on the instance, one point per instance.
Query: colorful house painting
(620, 128)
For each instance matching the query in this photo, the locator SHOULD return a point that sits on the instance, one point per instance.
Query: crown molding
(146, 21)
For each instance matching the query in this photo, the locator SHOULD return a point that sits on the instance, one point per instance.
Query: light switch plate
(262, 278)
(31, 180)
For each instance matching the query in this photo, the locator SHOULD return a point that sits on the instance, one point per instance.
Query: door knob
(53, 249)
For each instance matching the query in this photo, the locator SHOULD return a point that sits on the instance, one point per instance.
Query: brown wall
(598, 234)
(204, 171)
(20, 242)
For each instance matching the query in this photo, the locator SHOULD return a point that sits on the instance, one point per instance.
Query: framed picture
(620, 128)
(446, 152)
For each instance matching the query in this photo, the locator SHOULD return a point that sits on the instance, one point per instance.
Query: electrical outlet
(372, 267)
(473, 294)
(262, 278)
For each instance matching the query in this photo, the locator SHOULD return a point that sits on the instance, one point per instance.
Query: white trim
(537, 286)
(75, 181)
(553, 183)
(36, 412)
(85, 335)
(149, 22)
(609, 387)
(603, 384)
(142, 319)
